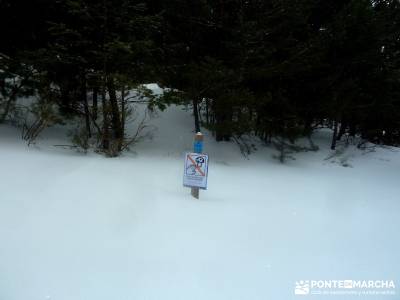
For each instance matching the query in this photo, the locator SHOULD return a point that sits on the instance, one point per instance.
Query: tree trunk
(208, 112)
(334, 136)
(223, 118)
(85, 105)
(123, 115)
(342, 131)
(95, 102)
(196, 115)
(115, 114)
(106, 133)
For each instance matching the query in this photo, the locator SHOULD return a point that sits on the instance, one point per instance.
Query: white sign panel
(196, 169)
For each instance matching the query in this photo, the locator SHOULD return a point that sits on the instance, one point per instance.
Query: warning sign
(196, 169)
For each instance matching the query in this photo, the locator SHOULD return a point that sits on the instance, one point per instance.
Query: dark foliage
(273, 69)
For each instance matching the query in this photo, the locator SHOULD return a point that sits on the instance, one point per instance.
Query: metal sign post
(197, 148)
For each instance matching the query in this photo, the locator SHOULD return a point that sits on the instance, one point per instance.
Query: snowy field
(85, 227)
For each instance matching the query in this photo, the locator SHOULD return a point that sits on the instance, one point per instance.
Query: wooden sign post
(197, 148)
(196, 167)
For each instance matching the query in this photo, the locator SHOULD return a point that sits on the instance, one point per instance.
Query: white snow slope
(85, 227)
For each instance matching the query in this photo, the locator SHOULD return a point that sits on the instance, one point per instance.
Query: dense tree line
(276, 69)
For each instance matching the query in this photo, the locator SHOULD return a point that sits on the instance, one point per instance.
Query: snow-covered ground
(85, 227)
